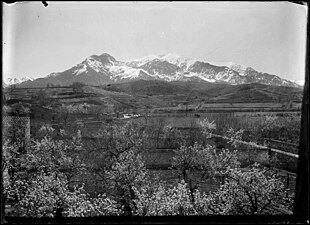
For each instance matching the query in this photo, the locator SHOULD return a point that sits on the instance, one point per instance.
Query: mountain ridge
(104, 69)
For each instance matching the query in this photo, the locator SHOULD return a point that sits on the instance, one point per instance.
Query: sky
(267, 36)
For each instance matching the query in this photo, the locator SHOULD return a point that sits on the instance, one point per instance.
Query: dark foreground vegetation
(83, 158)
(57, 174)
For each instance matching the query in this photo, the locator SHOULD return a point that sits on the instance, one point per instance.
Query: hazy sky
(269, 37)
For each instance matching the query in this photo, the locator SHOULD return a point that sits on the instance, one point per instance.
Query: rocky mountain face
(103, 69)
(15, 81)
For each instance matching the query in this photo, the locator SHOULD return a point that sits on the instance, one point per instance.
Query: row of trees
(45, 180)
(285, 127)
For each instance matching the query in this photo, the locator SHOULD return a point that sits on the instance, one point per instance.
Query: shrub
(251, 191)
(161, 201)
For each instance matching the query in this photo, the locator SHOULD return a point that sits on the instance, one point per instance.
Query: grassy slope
(152, 94)
(208, 91)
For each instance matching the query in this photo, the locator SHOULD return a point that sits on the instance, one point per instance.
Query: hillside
(140, 95)
(209, 92)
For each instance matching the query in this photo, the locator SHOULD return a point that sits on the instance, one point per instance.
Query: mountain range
(105, 69)
(12, 81)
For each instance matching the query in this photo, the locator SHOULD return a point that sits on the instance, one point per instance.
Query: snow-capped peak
(26, 79)
(97, 63)
(172, 58)
(175, 59)
(94, 64)
(233, 66)
(52, 75)
(144, 59)
(11, 81)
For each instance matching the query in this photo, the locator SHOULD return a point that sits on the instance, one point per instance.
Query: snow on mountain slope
(175, 59)
(141, 61)
(12, 81)
(81, 68)
(204, 77)
(172, 58)
(233, 66)
(120, 72)
(104, 68)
